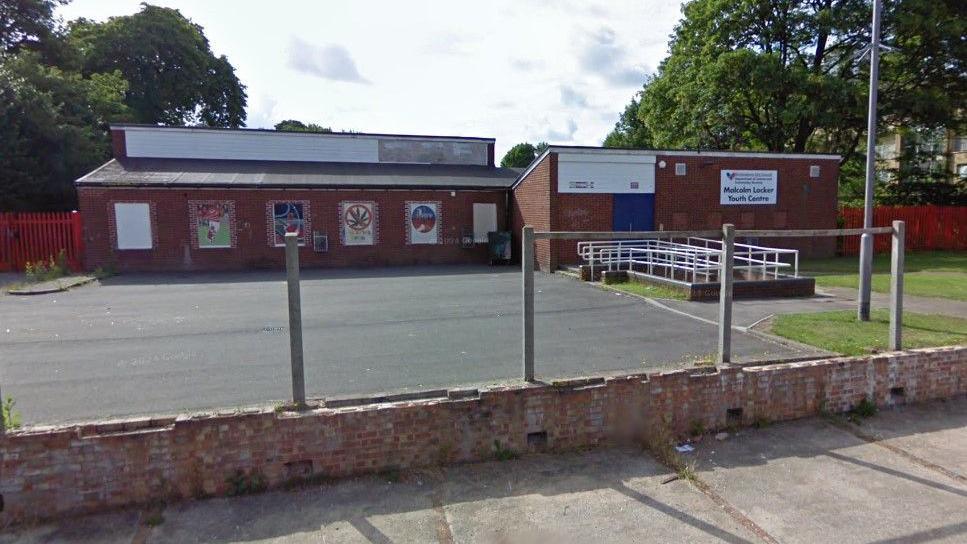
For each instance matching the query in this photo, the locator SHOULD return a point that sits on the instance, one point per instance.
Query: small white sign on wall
(749, 187)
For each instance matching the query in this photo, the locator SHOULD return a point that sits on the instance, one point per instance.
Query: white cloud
(515, 70)
(571, 97)
(602, 55)
(555, 136)
(326, 61)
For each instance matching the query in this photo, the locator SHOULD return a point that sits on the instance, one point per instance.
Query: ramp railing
(624, 247)
(698, 256)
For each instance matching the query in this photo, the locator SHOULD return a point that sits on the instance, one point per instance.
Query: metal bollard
(725, 293)
(295, 318)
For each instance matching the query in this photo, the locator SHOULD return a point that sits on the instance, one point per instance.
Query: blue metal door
(633, 212)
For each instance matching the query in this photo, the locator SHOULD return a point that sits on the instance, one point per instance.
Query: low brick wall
(53, 471)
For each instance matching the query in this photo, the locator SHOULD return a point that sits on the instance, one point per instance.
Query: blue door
(634, 211)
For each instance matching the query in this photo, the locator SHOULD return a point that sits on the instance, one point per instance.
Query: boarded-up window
(132, 222)
(484, 221)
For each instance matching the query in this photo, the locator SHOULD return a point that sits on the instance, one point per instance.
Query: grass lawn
(648, 290)
(926, 273)
(839, 331)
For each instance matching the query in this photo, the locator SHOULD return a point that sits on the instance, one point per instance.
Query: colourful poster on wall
(358, 222)
(211, 221)
(423, 223)
(289, 217)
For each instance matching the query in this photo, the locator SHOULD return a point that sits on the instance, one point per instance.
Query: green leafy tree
(26, 24)
(522, 154)
(293, 125)
(53, 128)
(630, 130)
(783, 75)
(173, 76)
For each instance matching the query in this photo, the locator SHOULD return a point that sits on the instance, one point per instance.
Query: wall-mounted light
(661, 164)
(453, 193)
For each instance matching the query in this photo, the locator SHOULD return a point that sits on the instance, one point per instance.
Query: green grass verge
(648, 290)
(926, 273)
(840, 332)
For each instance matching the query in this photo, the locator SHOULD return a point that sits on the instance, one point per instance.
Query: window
(132, 224)
(962, 171)
(679, 169)
(814, 171)
(484, 221)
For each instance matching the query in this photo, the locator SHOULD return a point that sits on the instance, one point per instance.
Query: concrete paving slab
(370, 510)
(613, 496)
(933, 432)
(167, 343)
(112, 528)
(810, 481)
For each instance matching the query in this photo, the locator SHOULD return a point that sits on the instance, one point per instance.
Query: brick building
(571, 188)
(220, 199)
(217, 199)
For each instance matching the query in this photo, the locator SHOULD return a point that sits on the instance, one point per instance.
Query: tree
(25, 24)
(519, 156)
(174, 78)
(783, 75)
(630, 130)
(293, 125)
(53, 128)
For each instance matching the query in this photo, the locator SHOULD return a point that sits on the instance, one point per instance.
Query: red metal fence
(927, 227)
(31, 237)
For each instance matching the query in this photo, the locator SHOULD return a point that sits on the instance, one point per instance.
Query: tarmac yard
(141, 344)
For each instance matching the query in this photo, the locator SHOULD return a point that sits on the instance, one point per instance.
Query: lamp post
(866, 240)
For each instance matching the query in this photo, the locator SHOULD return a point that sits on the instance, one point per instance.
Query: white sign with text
(749, 187)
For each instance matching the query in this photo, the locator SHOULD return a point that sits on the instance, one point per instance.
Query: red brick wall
(689, 202)
(575, 212)
(53, 471)
(531, 205)
(692, 201)
(174, 251)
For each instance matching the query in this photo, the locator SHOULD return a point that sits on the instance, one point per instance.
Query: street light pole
(866, 241)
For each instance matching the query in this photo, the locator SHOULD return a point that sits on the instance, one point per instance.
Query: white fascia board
(273, 133)
(686, 153)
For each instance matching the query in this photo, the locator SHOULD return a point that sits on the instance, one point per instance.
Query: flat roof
(154, 172)
(136, 126)
(671, 152)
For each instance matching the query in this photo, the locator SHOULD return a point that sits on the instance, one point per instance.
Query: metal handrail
(690, 258)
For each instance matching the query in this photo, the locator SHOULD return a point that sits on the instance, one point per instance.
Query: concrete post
(896, 286)
(295, 318)
(725, 293)
(866, 277)
(527, 270)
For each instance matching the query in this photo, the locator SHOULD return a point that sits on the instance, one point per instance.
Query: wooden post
(896, 287)
(725, 293)
(527, 284)
(295, 318)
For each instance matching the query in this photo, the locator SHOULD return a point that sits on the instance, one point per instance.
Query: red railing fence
(38, 236)
(927, 227)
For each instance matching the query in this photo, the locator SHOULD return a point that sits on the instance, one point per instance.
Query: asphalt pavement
(137, 344)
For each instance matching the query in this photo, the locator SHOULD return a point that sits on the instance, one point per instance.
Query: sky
(515, 70)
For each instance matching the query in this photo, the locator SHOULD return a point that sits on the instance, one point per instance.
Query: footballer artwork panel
(211, 223)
